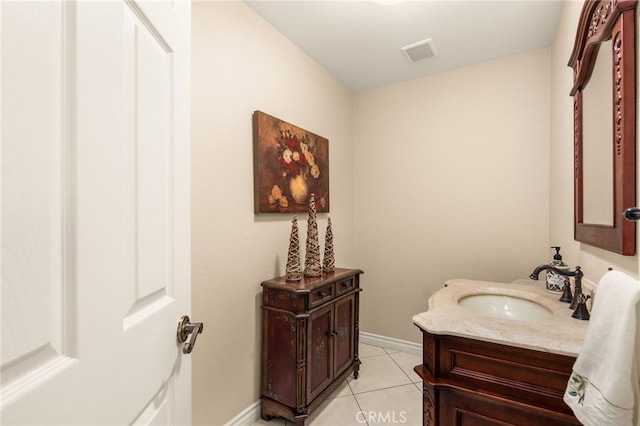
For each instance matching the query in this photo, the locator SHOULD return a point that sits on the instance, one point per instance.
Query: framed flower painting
(290, 164)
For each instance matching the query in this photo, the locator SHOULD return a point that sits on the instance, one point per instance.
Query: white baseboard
(390, 343)
(246, 417)
(251, 414)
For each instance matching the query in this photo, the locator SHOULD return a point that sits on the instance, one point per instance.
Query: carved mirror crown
(604, 56)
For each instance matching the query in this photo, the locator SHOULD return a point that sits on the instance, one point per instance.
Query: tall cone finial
(293, 258)
(329, 261)
(312, 266)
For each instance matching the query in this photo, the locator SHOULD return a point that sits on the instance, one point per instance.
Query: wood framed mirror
(604, 93)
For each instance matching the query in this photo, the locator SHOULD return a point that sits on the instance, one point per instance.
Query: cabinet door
(345, 329)
(319, 351)
(469, 409)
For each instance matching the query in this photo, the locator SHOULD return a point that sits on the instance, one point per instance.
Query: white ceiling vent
(420, 50)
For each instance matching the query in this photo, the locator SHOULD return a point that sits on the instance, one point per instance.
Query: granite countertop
(559, 334)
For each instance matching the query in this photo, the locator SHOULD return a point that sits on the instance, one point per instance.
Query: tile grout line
(355, 395)
(357, 402)
(401, 369)
(385, 388)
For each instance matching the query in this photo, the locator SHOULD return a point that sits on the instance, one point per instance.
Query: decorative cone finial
(293, 258)
(312, 266)
(329, 261)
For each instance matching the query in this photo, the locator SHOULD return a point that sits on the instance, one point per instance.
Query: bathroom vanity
(309, 341)
(482, 367)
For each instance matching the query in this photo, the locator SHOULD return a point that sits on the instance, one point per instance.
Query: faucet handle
(566, 297)
(581, 312)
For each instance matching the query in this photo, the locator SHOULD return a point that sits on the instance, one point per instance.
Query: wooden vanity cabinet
(472, 382)
(310, 337)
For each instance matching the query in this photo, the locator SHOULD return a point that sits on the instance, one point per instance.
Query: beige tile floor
(387, 392)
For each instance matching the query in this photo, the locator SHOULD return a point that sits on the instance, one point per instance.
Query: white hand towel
(601, 388)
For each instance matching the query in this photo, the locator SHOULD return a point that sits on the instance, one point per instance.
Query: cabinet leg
(264, 416)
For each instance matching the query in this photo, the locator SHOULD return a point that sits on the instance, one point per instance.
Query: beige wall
(594, 261)
(450, 181)
(241, 64)
(462, 174)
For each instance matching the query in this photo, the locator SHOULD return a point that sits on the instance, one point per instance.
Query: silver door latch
(188, 330)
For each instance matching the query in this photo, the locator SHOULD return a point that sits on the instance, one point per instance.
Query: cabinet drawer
(462, 408)
(345, 286)
(519, 374)
(321, 295)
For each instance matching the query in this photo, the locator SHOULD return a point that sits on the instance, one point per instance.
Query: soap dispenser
(556, 282)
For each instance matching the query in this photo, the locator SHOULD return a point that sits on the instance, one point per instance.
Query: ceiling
(359, 42)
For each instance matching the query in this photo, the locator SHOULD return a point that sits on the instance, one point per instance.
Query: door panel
(148, 89)
(95, 212)
(161, 408)
(37, 284)
(319, 351)
(344, 341)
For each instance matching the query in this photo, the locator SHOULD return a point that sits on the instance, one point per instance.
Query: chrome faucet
(577, 275)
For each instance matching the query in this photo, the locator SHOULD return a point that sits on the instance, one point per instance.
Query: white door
(95, 212)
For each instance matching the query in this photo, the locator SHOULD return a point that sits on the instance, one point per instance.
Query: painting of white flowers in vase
(290, 164)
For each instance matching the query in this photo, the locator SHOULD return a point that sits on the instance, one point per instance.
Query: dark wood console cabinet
(309, 341)
(472, 382)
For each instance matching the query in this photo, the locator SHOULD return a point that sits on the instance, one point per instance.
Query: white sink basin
(505, 307)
